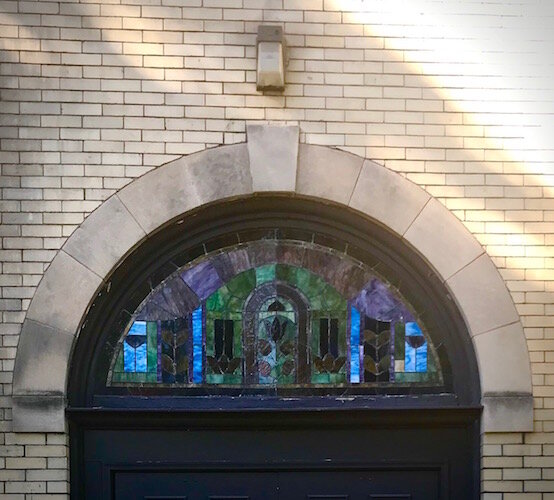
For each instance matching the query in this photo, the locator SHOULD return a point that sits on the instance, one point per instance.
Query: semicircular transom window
(275, 314)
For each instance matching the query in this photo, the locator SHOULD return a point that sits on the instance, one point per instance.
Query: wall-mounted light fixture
(271, 65)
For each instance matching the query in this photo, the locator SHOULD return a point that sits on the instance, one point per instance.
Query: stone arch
(272, 160)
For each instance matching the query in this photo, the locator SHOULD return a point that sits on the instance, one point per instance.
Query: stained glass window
(275, 313)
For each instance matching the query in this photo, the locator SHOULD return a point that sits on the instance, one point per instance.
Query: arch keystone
(273, 153)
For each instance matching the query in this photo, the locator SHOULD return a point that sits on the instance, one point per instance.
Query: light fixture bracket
(270, 60)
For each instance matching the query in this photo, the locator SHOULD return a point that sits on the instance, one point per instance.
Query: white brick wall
(456, 95)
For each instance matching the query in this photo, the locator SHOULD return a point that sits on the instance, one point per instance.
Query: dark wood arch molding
(224, 224)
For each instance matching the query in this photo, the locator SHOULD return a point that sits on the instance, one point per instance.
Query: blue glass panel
(354, 345)
(413, 329)
(409, 358)
(421, 359)
(140, 354)
(138, 328)
(197, 342)
(415, 358)
(129, 358)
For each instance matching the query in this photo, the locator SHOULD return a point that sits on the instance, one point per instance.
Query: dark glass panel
(323, 337)
(334, 337)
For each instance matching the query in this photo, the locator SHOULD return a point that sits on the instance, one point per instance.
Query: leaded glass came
(275, 313)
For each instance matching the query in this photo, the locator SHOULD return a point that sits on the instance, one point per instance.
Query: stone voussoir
(482, 296)
(387, 197)
(66, 280)
(105, 237)
(442, 239)
(41, 366)
(186, 183)
(509, 372)
(327, 173)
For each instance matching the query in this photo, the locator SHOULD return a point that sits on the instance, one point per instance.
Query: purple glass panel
(377, 301)
(202, 279)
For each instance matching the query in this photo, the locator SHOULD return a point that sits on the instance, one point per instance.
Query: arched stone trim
(271, 161)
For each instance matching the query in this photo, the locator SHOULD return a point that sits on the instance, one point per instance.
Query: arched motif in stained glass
(275, 313)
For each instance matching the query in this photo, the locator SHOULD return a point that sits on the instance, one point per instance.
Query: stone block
(482, 296)
(64, 293)
(219, 173)
(507, 413)
(442, 239)
(42, 360)
(327, 173)
(273, 153)
(42, 413)
(387, 197)
(503, 360)
(105, 237)
(186, 183)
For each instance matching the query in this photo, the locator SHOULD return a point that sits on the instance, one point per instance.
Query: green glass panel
(332, 300)
(214, 378)
(232, 379)
(320, 378)
(237, 338)
(234, 304)
(132, 377)
(216, 301)
(342, 335)
(210, 334)
(152, 347)
(431, 355)
(118, 367)
(300, 278)
(285, 273)
(338, 378)
(314, 340)
(399, 341)
(415, 377)
(265, 274)
(243, 284)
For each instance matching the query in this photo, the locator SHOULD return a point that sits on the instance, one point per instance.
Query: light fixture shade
(270, 64)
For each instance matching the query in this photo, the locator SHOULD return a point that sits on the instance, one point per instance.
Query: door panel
(414, 484)
(361, 485)
(195, 486)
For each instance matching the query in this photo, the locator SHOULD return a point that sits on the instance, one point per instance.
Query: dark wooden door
(237, 456)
